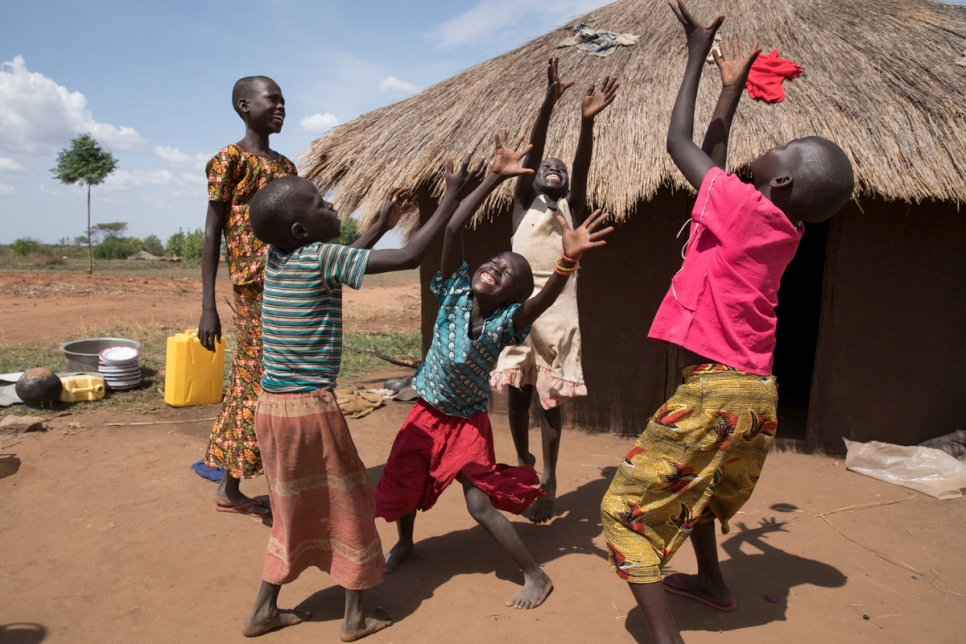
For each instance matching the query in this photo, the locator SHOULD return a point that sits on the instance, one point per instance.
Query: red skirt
(432, 449)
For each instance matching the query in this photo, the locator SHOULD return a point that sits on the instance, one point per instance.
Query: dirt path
(49, 305)
(108, 536)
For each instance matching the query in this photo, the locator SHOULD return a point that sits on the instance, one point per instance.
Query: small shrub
(118, 248)
(175, 245)
(25, 246)
(350, 232)
(153, 245)
(194, 241)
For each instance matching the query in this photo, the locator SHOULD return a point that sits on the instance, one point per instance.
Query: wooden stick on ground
(402, 362)
(160, 422)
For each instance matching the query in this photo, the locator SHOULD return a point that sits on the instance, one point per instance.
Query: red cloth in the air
(767, 73)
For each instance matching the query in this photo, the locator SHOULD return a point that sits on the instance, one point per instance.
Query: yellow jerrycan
(81, 387)
(193, 375)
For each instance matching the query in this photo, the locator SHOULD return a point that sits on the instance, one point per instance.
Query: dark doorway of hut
(798, 311)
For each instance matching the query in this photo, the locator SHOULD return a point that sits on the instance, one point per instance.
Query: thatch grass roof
(880, 79)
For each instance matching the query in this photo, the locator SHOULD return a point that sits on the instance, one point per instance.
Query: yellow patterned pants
(698, 459)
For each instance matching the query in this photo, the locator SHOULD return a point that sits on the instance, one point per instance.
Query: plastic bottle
(81, 387)
(193, 375)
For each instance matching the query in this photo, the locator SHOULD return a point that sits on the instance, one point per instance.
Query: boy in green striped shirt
(320, 492)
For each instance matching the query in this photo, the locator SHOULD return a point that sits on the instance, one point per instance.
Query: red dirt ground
(107, 535)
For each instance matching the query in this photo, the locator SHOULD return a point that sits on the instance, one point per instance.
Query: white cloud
(192, 177)
(179, 159)
(319, 123)
(393, 84)
(186, 185)
(9, 166)
(47, 191)
(6, 190)
(40, 116)
(486, 20)
(128, 179)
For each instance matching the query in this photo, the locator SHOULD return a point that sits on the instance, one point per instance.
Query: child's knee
(519, 401)
(479, 506)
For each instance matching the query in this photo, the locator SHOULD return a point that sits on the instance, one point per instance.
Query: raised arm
(209, 327)
(734, 72)
(538, 133)
(506, 164)
(691, 160)
(575, 243)
(392, 211)
(410, 255)
(595, 100)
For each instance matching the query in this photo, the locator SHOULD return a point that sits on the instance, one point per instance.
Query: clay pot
(38, 386)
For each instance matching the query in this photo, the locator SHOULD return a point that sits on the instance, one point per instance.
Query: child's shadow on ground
(761, 582)
(436, 560)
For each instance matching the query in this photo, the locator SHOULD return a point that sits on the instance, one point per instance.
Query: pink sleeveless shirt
(721, 304)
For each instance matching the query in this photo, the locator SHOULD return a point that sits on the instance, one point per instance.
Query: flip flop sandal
(673, 584)
(245, 508)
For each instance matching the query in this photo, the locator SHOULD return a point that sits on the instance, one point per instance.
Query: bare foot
(529, 460)
(370, 626)
(396, 556)
(541, 510)
(534, 592)
(717, 596)
(259, 624)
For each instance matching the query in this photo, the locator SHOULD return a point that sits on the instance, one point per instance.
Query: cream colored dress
(549, 359)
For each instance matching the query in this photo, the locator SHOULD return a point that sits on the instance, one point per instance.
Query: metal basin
(82, 355)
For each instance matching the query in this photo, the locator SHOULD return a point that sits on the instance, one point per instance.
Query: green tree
(175, 245)
(25, 246)
(113, 230)
(153, 245)
(86, 163)
(350, 232)
(193, 242)
(114, 248)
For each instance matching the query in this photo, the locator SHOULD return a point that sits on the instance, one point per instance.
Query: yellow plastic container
(81, 387)
(193, 375)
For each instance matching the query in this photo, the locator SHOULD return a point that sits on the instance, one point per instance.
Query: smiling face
(264, 106)
(503, 279)
(552, 178)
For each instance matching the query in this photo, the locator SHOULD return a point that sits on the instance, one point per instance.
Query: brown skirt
(322, 502)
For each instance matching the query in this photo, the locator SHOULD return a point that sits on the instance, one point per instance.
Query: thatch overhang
(880, 79)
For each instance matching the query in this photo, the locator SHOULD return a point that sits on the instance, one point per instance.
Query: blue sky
(152, 82)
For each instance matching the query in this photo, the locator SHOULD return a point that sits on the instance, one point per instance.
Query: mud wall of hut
(891, 326)
(892, 335)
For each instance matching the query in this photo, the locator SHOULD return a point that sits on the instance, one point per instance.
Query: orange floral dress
(234, 176)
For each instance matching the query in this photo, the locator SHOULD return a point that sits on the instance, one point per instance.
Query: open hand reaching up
(700, 39)
(396, 203)
(734, 69)
(506, 161)
(598, 98)
(555, 88)
(462, 181)
(586, 236)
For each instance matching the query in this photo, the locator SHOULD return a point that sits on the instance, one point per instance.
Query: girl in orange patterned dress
(235, 174)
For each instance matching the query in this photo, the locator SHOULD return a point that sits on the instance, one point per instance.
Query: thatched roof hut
(880, 79)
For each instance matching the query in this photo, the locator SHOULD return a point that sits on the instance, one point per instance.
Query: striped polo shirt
(302, 314)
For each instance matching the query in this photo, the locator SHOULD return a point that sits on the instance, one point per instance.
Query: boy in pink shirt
(702, 452)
